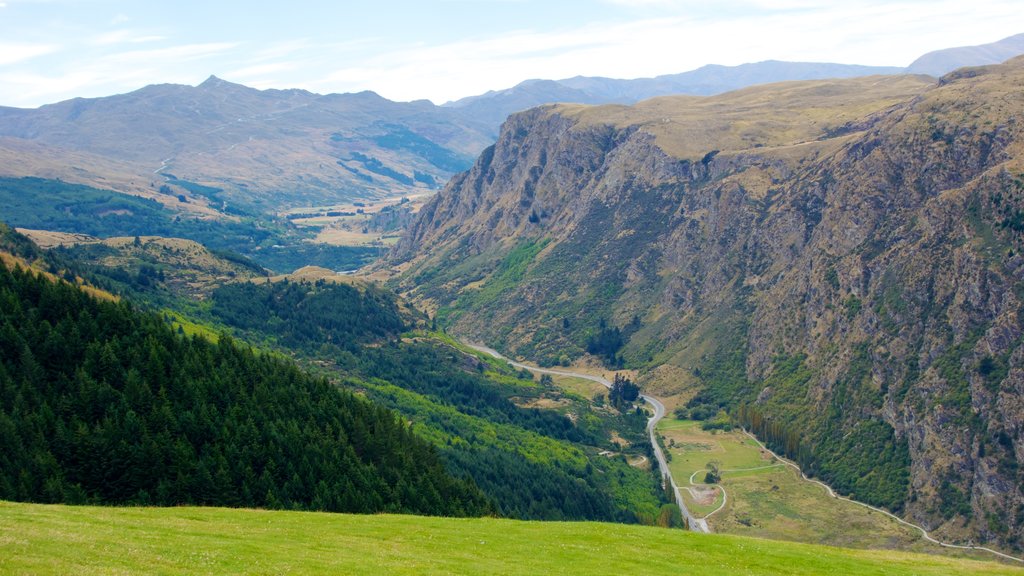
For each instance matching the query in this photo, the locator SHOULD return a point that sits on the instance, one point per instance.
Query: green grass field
(773, 501)
(44, 539)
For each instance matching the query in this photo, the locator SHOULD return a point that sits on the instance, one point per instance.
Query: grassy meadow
(772, 501)
(47, 539)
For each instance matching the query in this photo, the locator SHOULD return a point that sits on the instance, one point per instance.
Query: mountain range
(496, 105)
(220, 147)
(267, 149)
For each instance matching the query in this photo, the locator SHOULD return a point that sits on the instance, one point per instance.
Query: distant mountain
(942, 62)
(269, 148)
(496, 105)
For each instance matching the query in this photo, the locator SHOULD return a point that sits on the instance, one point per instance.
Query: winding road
(695, 524)
(700, 524)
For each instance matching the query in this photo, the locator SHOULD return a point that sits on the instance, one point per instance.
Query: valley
(762, 319)
(831, 286)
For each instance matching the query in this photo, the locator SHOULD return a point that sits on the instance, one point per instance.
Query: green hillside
(535, 452)
(101, 403)
(39, 539)
(58, 206)
(538, 453)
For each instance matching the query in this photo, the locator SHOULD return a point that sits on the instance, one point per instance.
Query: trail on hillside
(924, 533)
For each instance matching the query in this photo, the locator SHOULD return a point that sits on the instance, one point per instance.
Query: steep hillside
(835, 262)
(100, 403)
(536, 452)
(225, 144)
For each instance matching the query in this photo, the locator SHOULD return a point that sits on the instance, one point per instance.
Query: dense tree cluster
(623, 392)
(306, 316)
(102, 403)
(424, 369)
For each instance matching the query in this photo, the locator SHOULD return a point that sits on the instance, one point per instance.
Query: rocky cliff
(838, 263)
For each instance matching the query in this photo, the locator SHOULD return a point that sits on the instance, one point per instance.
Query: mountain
(221, 144)
(495, 106)
(837, 263)
(942, 62)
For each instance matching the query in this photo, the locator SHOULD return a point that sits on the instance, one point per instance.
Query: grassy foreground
(44, 539)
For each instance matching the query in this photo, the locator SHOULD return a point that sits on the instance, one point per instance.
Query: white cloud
(257, 70)
(173, 54)
(641, 3)
(12, 53)
(124, 37)
(672, 36)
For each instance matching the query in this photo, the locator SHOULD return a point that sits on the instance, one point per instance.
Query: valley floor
(47, 539)
(759, 495)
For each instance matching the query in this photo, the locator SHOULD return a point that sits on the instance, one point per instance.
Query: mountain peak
(213, 82)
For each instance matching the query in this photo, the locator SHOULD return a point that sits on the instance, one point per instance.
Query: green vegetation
(40, 539)
(304, 316)
(377, 167)
(101, 403)
(535, 451)
(58, 206)
(54, 205)
(507, 274)
(401, 138)
(856, 455)
(485, 419)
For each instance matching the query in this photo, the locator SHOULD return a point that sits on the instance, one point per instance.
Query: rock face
(836, 262)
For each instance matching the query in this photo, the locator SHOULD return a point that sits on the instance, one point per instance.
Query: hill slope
(59, 539)
(835, 262)
(100, 403)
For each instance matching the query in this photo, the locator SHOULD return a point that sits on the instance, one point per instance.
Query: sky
(441, 50)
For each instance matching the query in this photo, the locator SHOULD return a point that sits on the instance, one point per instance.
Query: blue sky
(52, 50)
